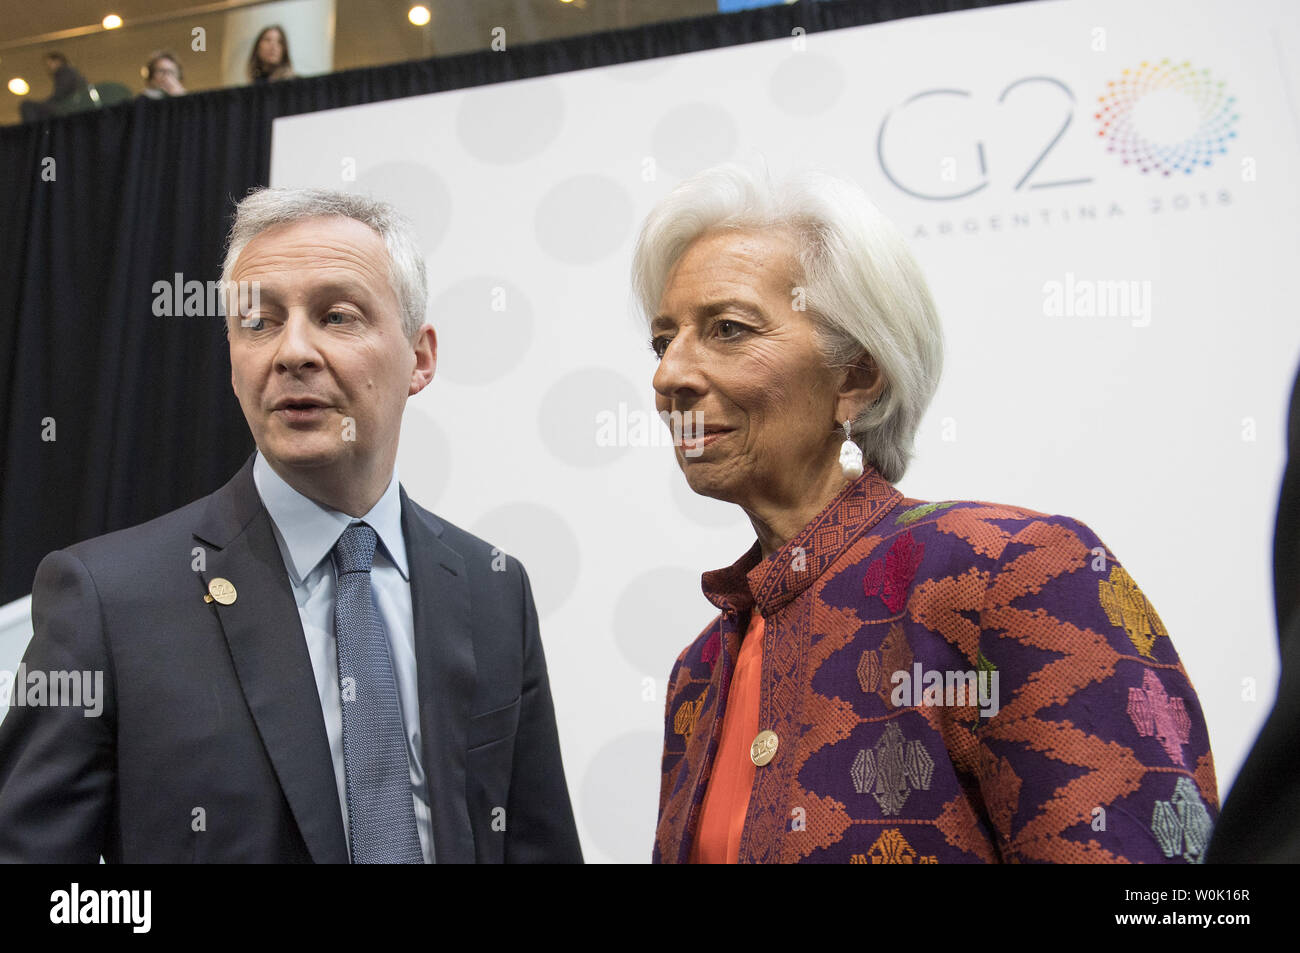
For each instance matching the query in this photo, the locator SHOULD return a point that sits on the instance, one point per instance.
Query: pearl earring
(850, 456)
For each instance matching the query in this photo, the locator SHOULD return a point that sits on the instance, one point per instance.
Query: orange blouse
(726, 800)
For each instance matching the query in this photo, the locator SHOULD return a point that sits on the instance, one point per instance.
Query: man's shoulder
(475, 550)
(497, 582)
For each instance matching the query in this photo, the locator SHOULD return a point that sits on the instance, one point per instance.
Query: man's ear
(860, 384)
(425, 345)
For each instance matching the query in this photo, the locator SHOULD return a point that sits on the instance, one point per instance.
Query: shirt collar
(309, 530)
(771, 583)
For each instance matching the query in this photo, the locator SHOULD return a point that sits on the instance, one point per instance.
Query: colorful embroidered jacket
(948, 683)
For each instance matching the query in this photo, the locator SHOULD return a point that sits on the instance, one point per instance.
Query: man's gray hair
(863, 289)
(265, 208)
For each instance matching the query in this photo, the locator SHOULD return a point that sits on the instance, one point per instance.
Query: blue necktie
(381, 814)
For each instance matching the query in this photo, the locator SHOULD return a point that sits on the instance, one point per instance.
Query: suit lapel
(445, 672)
(269, 650)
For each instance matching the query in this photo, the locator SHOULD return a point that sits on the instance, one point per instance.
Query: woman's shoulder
(1022, 570)
(910, 511)
(966, 531)
(937, 517)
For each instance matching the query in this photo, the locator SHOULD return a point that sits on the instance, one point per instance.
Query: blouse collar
(771, 583)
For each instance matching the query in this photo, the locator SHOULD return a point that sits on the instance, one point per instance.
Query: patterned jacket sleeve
(683, 699)
(669, 757)
(1098, 751)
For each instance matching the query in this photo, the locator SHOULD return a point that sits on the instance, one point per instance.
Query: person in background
(163, 76)
(269, 59)
(888, 680)
(67, 84)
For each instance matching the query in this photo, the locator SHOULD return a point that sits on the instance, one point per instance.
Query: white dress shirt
(306, 533)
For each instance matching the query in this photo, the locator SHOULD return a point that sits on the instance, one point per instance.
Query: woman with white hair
(888, 680)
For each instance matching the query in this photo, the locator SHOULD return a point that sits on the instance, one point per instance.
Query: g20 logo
(1161, 118)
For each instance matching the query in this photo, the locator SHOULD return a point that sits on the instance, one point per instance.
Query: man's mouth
(300, 410)
(298, 402)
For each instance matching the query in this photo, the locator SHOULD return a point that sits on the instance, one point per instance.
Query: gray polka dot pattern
(577, 416)
(619, 795)
(584, 219)
(485, 327)
(655, 616)
(807, 84)
(418, 192)
(510, 122)
(692, 137)
(543, 541)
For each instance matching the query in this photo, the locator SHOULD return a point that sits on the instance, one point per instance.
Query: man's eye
(329, 318)
(725, 326)
(659, 345)
(252, 322)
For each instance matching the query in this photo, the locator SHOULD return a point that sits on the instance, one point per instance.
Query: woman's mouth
(695, 444)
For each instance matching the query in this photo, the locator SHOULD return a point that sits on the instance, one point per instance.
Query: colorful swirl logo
(1166, 117)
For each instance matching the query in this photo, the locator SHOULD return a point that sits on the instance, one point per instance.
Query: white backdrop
(1161, 427)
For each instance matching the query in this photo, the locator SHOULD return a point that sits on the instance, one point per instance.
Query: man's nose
(298, 346)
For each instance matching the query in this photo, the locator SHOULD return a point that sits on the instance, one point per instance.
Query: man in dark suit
(305, 665)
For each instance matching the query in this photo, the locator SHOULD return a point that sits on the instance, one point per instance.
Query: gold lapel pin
(763, 748)
(222, 590)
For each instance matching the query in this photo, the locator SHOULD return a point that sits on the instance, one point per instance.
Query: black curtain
(98, 207)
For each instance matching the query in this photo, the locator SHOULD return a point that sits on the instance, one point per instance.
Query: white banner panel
(1103, 197)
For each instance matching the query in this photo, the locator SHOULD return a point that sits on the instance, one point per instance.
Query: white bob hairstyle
(863, 289)
(265, 208)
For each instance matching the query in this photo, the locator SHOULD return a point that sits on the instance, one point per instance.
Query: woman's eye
(659, 345)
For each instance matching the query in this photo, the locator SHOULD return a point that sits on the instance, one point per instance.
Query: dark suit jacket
(1260, 822)
(214, 707)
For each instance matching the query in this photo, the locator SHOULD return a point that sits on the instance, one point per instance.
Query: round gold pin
(763, 749)
(222, 590)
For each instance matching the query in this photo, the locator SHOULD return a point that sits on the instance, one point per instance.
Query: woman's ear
(861, 384)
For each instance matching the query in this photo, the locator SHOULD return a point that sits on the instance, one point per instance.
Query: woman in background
(269, 59)
(888, 680)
